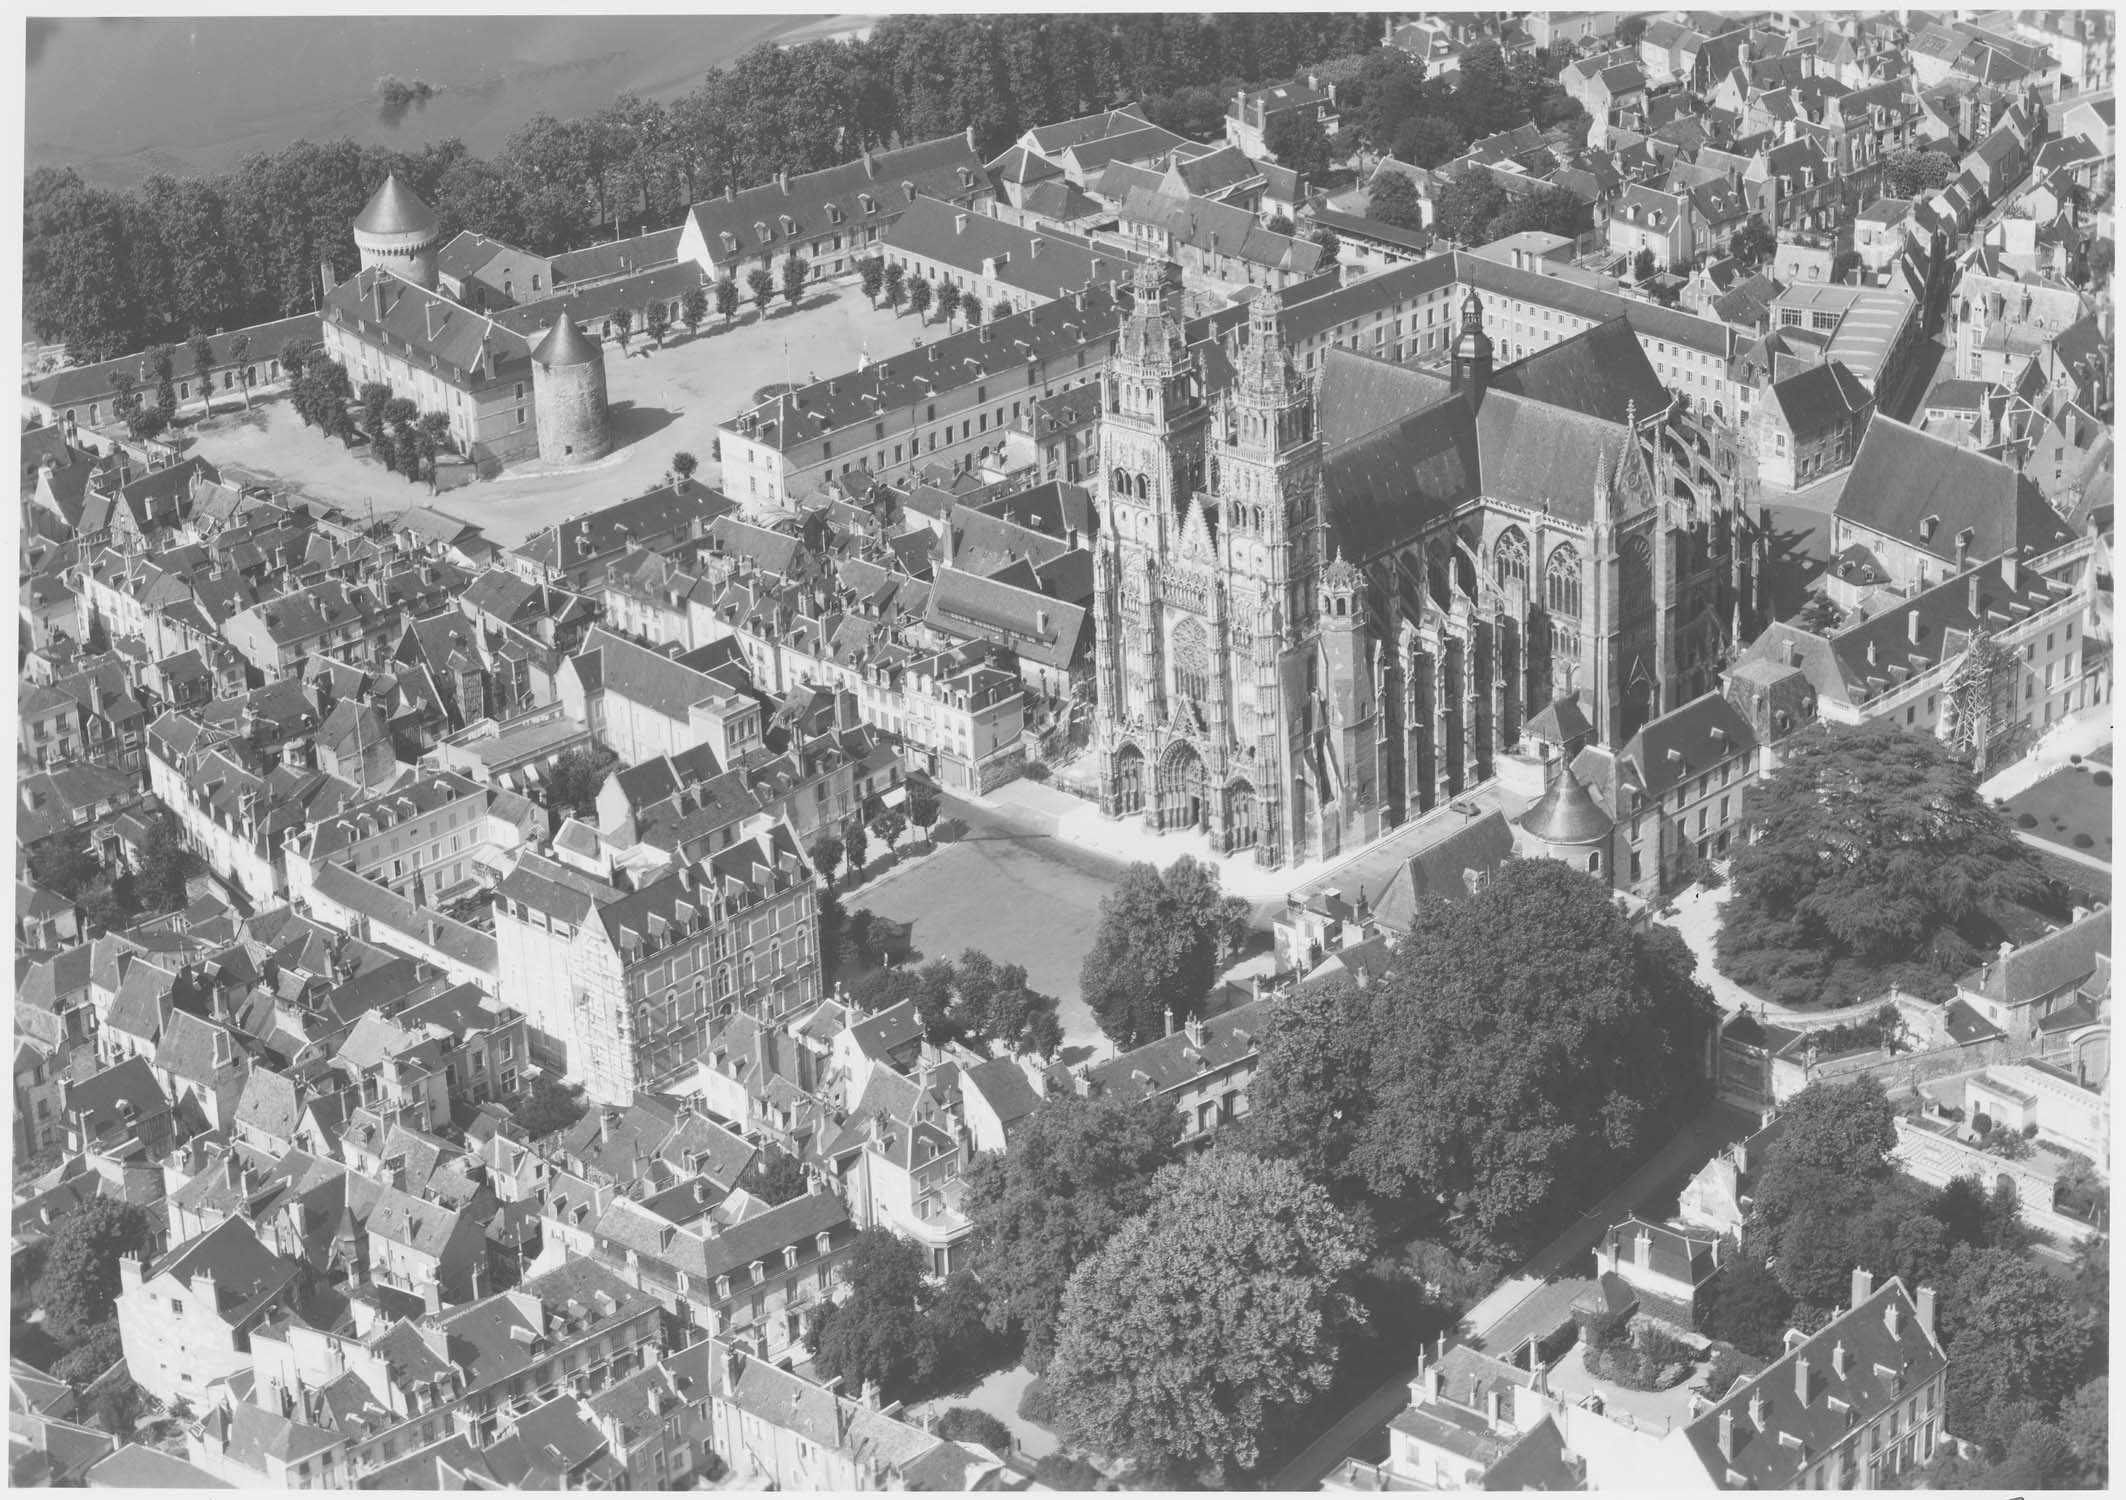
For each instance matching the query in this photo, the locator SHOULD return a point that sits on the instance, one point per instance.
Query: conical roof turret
(1568, 813)
(396, 209)
(565, 344)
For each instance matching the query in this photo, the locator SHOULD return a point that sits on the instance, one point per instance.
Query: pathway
(1697, 921)
(2090, 729)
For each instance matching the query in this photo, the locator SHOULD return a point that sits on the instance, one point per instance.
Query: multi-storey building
(425, 840)
(621, 987)
(1323, 610)
(1248, 117)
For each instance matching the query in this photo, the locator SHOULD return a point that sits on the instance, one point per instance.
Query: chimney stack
(1838, 1359)
(1863, 1285)
(1727, 1435)
(1912, 626)
(1926, 1308)
(1757, 1410)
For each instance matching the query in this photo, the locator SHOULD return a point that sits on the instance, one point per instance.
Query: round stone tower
(568, 395)
(397, 232)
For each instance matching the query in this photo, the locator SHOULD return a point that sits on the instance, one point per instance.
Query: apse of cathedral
(1327, 605)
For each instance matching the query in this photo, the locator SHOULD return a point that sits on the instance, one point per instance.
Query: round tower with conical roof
(397, 232)
(1569, 825)
(568, 395)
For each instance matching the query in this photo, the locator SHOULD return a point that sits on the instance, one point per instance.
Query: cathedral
(1325, 607)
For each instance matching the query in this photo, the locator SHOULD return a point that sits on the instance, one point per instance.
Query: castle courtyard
(663, 401)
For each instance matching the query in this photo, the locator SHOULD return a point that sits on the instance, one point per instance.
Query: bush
(1038, 1404)
(1981, 1124)
(91, 1355)
(1729, 1365)
(2083, 841)
(2102, 778)
(2026, 820)
(2030, 1131)
(1037, 770)
(1063, 1471)
(970, 1424)
(2074, 760)
(949, 831)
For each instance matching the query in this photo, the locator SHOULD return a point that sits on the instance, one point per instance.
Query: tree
(1331, 247)
(1467, 205)
(919, 299)
(238, 348)
(2017, 1346)
(572, 786)
(1308, 1098)
(165, 866)
(855, 845)
(871, 275)
(1393, 200)
(2085, 1418)
(726, 298)
(684, 465)
(162, 361)
(1643, 265)
(432, 439)
(548, 1106)
(294, 353)
(971, 310)
(1524, 1041)
(794, 271)
(1921, 864)
(948, 302)
(1211, 1317)
(775, 1176)
(889, 823)
(1296, 140)
(826, 852)
(693, 307)
(1077, 1170)
(1550, 210)
(201, 349)
(1913, 173)
(1749, 1308)
(922, 798)
(2101, 257)
(1629, 30)
(988, 1004)
(895, 282)
(93, 1354)
(63, 864)
(972, 1425)
(1000, 311)
(623, 326)
(1386, 92)
(760, 281)
(1158, 947)
(657, 320)
(1426, 141)
(894, 1327)
(79, 1287)
(1754, 243)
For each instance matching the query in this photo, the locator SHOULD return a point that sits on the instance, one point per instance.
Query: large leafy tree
(1158, 947)
(1749, 1307)
(79, 1288)
(1910, 173)
(1873, 859)
(1520, 1045)
(895, 1327)
(1393, 200)
(1210, 1318)
(1386, 93)
(1550, 210)
(1076, 1171)
(1310, 1095)
(1467, 205)
(1296, 139)
(2018, 1345)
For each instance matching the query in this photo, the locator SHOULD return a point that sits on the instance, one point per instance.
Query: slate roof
(1902, 475)
(1683, 742)
(135, 1467)
(617, 257)
(1045, 262)
(79, 384)
(1688, 1258)
(2050, 964)
(1004, 1085)
(417, 323)
(1172, 1061)
(1881, 1369)
(946, 167)
(395, 208)
(1226, 229)
(1567, 813)
(1820, 397)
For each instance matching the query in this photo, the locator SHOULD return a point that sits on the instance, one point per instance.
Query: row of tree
(894, 284)
(107, 271)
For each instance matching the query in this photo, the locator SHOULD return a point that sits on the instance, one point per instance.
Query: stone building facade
(1326, 607)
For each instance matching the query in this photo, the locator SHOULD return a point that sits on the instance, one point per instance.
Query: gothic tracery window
(1192, 662)
(1561, 582)
(1509, 559)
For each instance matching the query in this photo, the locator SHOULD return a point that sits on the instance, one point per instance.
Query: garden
(2070, 808)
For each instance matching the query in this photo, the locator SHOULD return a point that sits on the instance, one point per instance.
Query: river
(120, 99)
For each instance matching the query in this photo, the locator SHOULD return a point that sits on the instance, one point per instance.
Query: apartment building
(425, 840)
(621, 987)
(1677, 792)
(642, 703)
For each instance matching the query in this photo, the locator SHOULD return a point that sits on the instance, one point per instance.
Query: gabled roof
(2045, 967)
(1683, 742)
(1902, 476)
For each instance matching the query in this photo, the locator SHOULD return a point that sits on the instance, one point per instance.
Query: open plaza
(663, 401)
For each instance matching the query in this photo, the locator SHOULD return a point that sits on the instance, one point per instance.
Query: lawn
(662, 400)
(2068, 808)
(1022, 898)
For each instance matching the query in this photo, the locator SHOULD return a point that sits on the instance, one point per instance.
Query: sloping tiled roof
(2046, 966)
(395, 208)
(1901, 476)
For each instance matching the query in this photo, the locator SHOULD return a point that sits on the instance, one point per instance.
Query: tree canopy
(1210, 1317)
(1518, 1047)
(895, 1327)
(1393, 200)
(1296, 139)
(1158, 947)
(80, 1285)
(1077, 1170)
(2018, 1346)
(1873, 860)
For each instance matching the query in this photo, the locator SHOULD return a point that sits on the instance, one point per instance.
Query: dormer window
(761, 229)
(723, 1288)
(909, 189)
(823, 1241)
(867, 203)
(730, 243)
(834, 213)
(760, 1272)
(789, 225)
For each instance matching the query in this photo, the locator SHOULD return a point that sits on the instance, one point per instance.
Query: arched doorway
(1243, 816)
(1181, 799)
(1129, 781)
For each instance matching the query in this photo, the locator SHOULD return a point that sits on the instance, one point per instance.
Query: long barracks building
(952, 400)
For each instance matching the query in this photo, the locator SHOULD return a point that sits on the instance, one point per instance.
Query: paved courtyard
(663, 401)
(1020, 896)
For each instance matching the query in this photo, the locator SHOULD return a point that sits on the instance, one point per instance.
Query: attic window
(867, 203)
(761, 229)
(834, 213)
(789, 225)
(909, 189)
(730, 242)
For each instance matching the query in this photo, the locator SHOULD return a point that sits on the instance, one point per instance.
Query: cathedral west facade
(1325, 607)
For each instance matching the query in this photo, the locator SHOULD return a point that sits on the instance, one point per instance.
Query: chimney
(431, 1298)
(1492, 1404)
(734, 1364)
(1973, 600)
(1169, 1020)
(1893, 1318)
(959, 223)
(1793, 653)
(1642, 1251)
(1838, 1359)
(1801, 1380)
(1033, 247)
(1926, 1309)
(1757, 1410)
(1873, 654)
(1912, 626)
(970, 138)
(1863, 1285)
(2011, 570)
(870, 1395)
(1432, 1388)
(1727, 1434)
(782, 180)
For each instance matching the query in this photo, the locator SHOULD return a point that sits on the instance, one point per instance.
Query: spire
(1472, 352)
